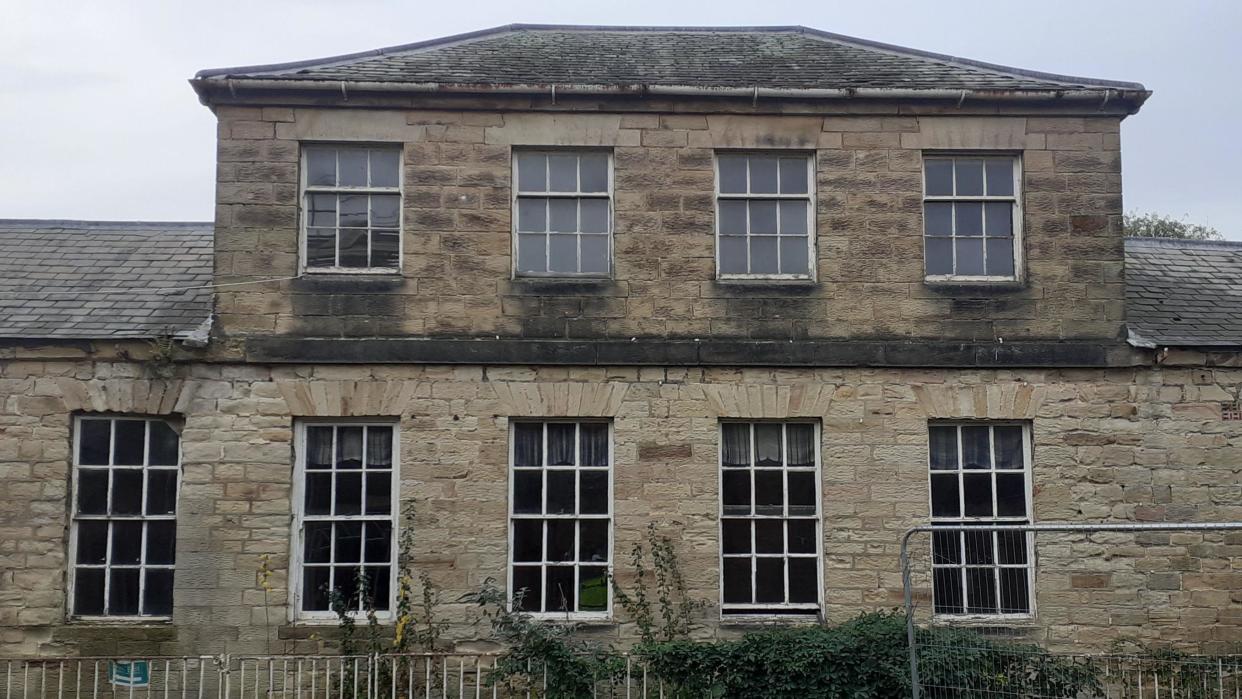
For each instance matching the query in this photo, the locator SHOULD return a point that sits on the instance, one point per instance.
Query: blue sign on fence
(130, 673)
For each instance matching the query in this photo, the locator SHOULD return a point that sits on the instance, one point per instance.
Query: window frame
(610, 517)
(1016, 199)
(965, 520)
(71, 562)
(305, 190)
(516, 195)
(298, 502)
(799, 611)
(810, 197)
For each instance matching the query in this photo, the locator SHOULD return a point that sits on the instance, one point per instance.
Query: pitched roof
(103, 279)
(784, 57)
(1184, 292)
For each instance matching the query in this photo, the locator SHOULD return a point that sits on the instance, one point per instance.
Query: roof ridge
(1183, 242)
(96, 224)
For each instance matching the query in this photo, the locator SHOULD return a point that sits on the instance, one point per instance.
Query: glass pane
(377, 547)
(348, 542)
(969, 177)
(945, 496)
(348, 497)
(126, 543)
(1011, 548)
(321, 210)
(594, 495)
(969, 252)
(127, 491)
(769, 580)
(736, 580)
(532, 172)
(1010, 495)
(594, 172)
(385, 167)
(1007, 441)
(736, 492)
(528, 540)
(563, 173)
(532, 256)
(527, 444)
(763, 218)
(93, 491)
(345, 582)
(123, 592)
(976, 447)
(92, 542)
(735, 536)
(94, 442)
(968, 218)
(801, 493)
(978, 546)
(349, 447)
(158, 593)
(1000, 178)
(803, 586)
(592, 589)
(317, 547)
(352, 164)
(977, 493)
(594, 254)
(1014, 591)
(379, 447)
(943, 447)
(527, 492)
(321, 166)
(163, 449)
(732, 174)
(939, 255)
(528, 588)
(563, 215)
(88, 592)
(793, 217)
(793, 175)
(353, 252)
(769, 493)
(131, 437)
(938, 218)
(161, 492)
(763, 255)
(315, 589)
(793, 255)
(768, 444)
(532, 214)
(999, 219)
(946, 548)
(594, 213)
(980, 591)
(732, 217)
(320, 247)
(762, 175)
(801, 447)
(593, 541)
(561, 443)
(561, 591)
(1000, 257)
(801, 535)
(561, 492)
(769, 535)
(732, 254)
(161, 542)
(938, 177)
(384, 210)
(379, 493)
(563, 253)
(353, 212)
(947, 590)
(318, 493)
(379, 582)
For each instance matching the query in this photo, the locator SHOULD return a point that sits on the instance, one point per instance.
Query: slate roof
(1184, 292)
(788, 57)
(101, 279)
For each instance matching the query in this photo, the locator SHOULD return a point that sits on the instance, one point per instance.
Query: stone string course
(1132, 445)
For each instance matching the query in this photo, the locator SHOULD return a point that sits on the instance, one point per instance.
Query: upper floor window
(563, 211)
(351, 208)
(971, 218)
(124, 540)
(765, 216)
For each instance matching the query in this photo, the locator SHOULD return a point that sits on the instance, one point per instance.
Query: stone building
(513, 295)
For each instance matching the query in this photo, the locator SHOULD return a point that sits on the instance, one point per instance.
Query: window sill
(769, 619)
(597, 619)
(994, 620)
(970, 283)
(120, 620)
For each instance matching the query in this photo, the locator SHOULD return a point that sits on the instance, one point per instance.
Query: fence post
(908, 597)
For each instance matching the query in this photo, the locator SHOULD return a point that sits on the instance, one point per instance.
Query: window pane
(532, 214)
(1007, 441)
(732, 217)
(348, 497)
(1000, 178)
(977, 494)
(528, 588)
(349, 447)
(938, 218)
(123, 591)
(594, 496)
(999, 219)
(320, 247)
(92, 542)
(94, 442)
(768, 444)
(594, 172)
(763, 255)
(1010, 495)
(131, 437)
(127, 491)
(561, 443)
(969, 177)
(1015, 591)
(762, 175)
(532, 172)
(384, 210)
(563, 215)
(315, 589)
(943, 447)
(736, 580)
(348, 542)
(947, 590)
(563, 173)
(939, 255)
(163, 449)
(353, 211)
(161, 542)
(593, 541)
(769, 580)
(735, 536)
(317, 547)
(945, 496)
(379, 447)
(93, 491)
(321, 166)
(769, 535)
(736, 492)
(126, 543)
(563, 253)
(532, 256)
(732, 174)
(978, 545)
(801, 535)
(801, 447)
(946, 548)
(352, 167)
(769, 493)
(561, 492)
(803, 587)
(968, 218)
(1011, 548)
(801, 494)
(592, 589)
(793, 175)
(793, 217)
(980, 591)
(976, 447)
(938, 177)
(527, 444)
(594, 213)
(763, 217)
(345, 582)
(732, 254)
(377, 547)
(321, 210)
(378, 587)
(594, 254)
(527, 492)
(353, 244)
(161, 492)
(88, 592)
(793, 255)
(1000, 257)
(318, 493)
(969, 252)
(385, 167)
(528, 540)
(561, 591)
(379, 493)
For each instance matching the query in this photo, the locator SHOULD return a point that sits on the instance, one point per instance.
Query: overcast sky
(97, 121)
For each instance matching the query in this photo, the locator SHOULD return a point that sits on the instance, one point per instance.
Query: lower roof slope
(104, 279)
(1184, 292)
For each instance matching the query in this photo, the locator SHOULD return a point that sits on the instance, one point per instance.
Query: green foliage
(676, 611)
(1153, 225)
